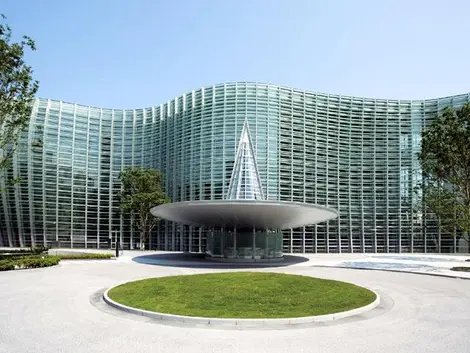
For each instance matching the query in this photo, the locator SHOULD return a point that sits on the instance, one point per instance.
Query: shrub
(86, 256)
(33, 250)
(7, 265)
(21, 260)
(32, 261)
(38, 261)
(39, 249)
(12, 256)
(15, 251)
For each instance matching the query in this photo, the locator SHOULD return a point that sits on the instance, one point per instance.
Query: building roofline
(274, 86)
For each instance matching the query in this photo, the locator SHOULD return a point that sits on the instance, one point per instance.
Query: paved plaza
(59, 309)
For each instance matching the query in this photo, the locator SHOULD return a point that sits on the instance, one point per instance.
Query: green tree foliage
(445, 161)
(17, 91)
(141, 190)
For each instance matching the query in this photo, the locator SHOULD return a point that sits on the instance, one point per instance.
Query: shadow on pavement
(197, 260)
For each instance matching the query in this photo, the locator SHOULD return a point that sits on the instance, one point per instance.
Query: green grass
(242, 295)
(461, 269)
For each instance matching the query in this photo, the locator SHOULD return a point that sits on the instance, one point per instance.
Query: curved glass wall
(357, 155)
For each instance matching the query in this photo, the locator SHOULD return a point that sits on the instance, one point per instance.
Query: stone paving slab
(50, 310)
(432, 264)
(413, 263)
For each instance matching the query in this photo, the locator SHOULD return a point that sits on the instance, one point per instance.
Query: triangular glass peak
(245, 183)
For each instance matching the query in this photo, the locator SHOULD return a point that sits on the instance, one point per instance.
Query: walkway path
(55, 310)
(415, 263)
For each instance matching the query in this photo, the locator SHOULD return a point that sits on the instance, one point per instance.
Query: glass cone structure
(244, 227)
(245, 182)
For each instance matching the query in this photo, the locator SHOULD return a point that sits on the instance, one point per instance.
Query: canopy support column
(254, 244)
(234, 242)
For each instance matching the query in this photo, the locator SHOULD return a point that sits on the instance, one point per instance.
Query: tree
(141, 190)
(17, 91)
(445, 162)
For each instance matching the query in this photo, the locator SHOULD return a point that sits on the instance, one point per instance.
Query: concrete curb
(396, 271)
(251, 323)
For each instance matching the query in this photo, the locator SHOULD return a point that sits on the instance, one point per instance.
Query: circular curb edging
(242, 322)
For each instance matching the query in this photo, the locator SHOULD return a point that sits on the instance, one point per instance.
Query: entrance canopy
(245, 205)
(259, 214)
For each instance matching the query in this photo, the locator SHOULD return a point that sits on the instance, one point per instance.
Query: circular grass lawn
(242, 295)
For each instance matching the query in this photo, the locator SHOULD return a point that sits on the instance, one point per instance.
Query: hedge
(18, 261)
(85, 256)
(15, 251)
(28, 262)
(14, 256)
(33, 250)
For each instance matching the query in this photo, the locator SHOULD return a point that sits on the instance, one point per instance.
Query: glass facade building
(356, 155)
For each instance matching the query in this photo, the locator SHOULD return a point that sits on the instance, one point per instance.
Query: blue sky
(132, 54)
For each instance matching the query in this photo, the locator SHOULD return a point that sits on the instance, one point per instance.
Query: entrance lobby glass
(244, 244)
